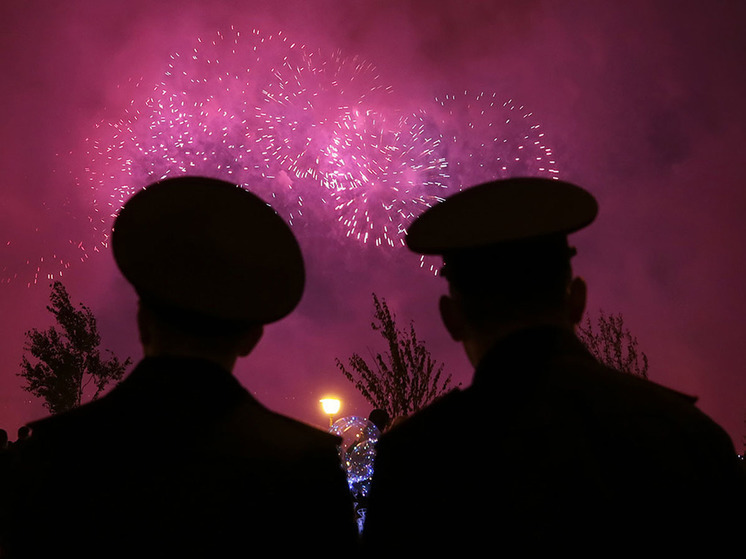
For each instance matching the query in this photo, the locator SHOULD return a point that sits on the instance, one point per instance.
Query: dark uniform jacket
(179, 460)
(549, 451)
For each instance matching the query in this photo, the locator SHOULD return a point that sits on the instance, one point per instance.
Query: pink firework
(305, 104)
(390, 170)
(307, 131)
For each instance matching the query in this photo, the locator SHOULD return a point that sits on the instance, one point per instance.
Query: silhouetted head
(209, 260)
(505, 252)
(379, 418)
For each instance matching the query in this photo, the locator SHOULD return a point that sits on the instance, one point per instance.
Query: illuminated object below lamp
(331, 407)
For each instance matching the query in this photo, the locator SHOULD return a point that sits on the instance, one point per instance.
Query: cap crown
(501, 211)
(210, 247)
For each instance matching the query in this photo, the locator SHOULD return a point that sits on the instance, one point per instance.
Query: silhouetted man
(223, 476)
(547, 450)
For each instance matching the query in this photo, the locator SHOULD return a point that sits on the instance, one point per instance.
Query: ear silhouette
(144, 320)
(453, 317)
(576, 300)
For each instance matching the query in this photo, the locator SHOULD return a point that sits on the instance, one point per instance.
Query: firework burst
(305, 105)
(310, 132)
(391, 170)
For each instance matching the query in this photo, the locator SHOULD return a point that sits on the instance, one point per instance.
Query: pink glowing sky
(643, 102)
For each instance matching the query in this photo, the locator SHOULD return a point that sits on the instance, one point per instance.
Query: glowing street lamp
(331, 408)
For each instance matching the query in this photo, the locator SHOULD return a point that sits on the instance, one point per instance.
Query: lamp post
(331, 408)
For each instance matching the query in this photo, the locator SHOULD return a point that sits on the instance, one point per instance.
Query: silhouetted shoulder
(265, 429)
(629, 401)
(430, 422)
(73, 421)
(200, 458)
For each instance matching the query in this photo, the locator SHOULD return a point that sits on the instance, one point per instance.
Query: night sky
(642, 103)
